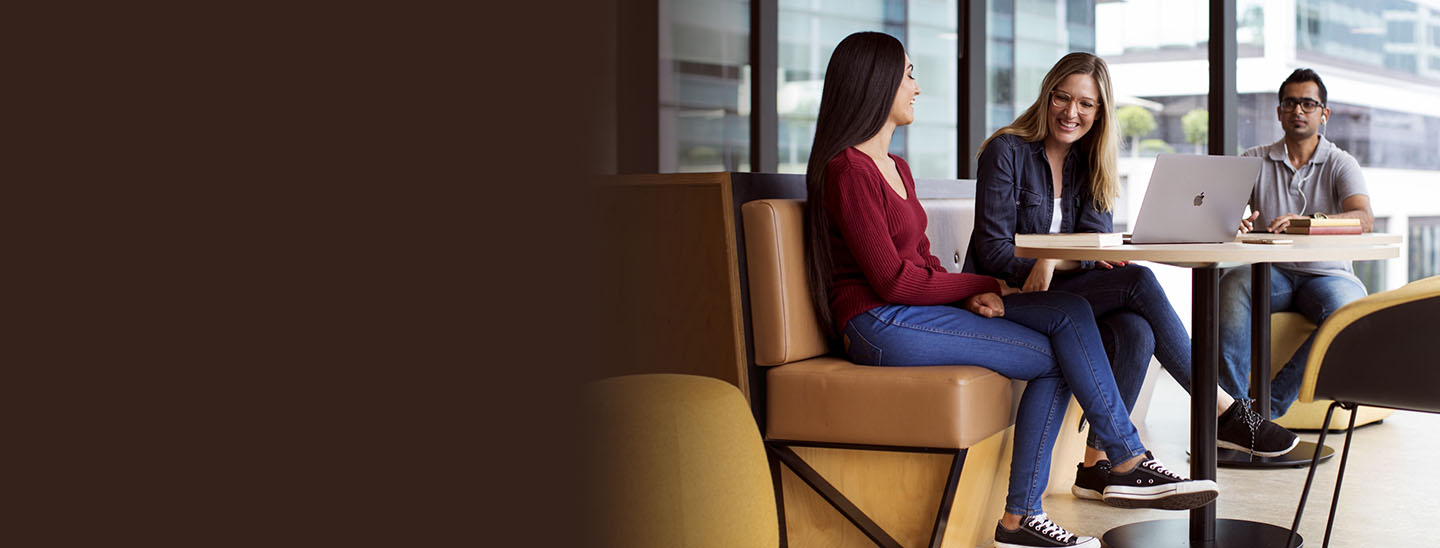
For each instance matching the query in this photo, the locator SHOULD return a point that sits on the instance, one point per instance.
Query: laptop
(1195, 198)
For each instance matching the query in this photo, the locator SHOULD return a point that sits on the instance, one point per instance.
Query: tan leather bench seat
(826, 406)
(832, 399)
(820, 397)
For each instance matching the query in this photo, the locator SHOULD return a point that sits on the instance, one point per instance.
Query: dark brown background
(286, 275)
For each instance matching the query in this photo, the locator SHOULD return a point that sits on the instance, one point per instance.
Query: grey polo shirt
(1331, 176)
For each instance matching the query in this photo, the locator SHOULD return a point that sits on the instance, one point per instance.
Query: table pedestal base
(1297, 457)
(1175, 533)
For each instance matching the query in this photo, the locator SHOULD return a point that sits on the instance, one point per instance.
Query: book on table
(1350, 229)
(1325, 222)
(1078, 239)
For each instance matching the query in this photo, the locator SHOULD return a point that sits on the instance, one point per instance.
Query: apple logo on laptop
(1199, 198)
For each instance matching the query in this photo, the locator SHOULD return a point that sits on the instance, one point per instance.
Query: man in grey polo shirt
(1303, 175)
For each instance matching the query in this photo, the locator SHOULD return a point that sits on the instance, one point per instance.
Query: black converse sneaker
(1151, 485)
(1037, 532)
(1090, 482)
(1242, 429)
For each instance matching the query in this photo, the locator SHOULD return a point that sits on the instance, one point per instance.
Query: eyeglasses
(1062, 100)
(1306, 105)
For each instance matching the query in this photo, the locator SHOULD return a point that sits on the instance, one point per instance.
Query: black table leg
(1204, 381)
(1260, 337)
(1260, 382)
(1203, 529)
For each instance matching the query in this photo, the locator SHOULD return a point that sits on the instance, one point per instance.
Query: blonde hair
(1101, 142)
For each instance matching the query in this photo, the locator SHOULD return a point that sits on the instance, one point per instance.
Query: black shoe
(1151, 485)
(1242, 429)
(1090, 482)
(1039, 531)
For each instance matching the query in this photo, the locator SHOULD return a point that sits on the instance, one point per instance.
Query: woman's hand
(1111, 264)
(1040, 275)
(1005, 289)
(988, 305)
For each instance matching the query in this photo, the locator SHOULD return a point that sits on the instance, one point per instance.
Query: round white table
(1205, 261)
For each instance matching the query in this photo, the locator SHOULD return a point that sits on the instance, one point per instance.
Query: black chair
(1377, 351)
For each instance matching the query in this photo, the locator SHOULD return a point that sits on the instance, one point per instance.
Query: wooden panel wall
(677, 289)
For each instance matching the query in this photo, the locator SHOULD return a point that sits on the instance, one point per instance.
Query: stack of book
(1324, 226)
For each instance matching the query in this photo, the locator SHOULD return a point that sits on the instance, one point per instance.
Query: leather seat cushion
(829, 399)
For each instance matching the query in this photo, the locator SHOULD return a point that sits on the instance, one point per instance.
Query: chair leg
(1310, 478)
(947, 499)
(833, 496)
(775, 478)
(1340, 477)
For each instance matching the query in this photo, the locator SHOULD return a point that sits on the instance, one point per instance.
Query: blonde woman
(1054, 171)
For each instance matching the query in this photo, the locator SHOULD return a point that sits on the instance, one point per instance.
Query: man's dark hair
(1304, 75)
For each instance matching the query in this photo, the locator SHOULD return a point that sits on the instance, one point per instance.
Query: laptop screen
(1195, 198)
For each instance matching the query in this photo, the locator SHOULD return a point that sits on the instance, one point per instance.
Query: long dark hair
(860, 85)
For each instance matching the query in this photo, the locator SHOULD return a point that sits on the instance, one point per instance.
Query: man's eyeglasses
(1060, 99)
(1306, 105)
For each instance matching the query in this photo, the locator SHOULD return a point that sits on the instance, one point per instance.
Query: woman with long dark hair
(890, 303)
(1054, 171)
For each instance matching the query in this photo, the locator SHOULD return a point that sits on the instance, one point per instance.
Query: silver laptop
(1195, 199)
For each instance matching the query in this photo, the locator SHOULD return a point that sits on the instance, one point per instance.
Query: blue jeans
(1048, 339)
(1136, 321)
(1315, 297)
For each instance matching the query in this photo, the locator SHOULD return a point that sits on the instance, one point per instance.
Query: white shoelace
(1049, 528)
(1252, 420)
(1160, 468)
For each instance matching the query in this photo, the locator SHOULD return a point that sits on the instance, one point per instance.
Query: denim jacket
(1014, 195)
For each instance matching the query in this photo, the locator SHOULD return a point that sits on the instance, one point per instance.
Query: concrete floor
(1387, 499)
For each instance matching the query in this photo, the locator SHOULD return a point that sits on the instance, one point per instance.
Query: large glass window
(1000, 98)
(809, 31)
(1155, 30)
(933, 40)
(704, 85)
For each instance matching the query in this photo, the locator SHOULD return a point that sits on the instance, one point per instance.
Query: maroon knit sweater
(878, 244)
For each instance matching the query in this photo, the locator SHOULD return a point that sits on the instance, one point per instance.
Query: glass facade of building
(704, 85)
(1389, 35)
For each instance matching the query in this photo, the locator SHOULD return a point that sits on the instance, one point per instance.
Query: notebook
(1195, 199)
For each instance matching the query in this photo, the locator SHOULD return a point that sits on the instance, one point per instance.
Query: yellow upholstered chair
(1377, 351)
(676, 461)
(1288, 331)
